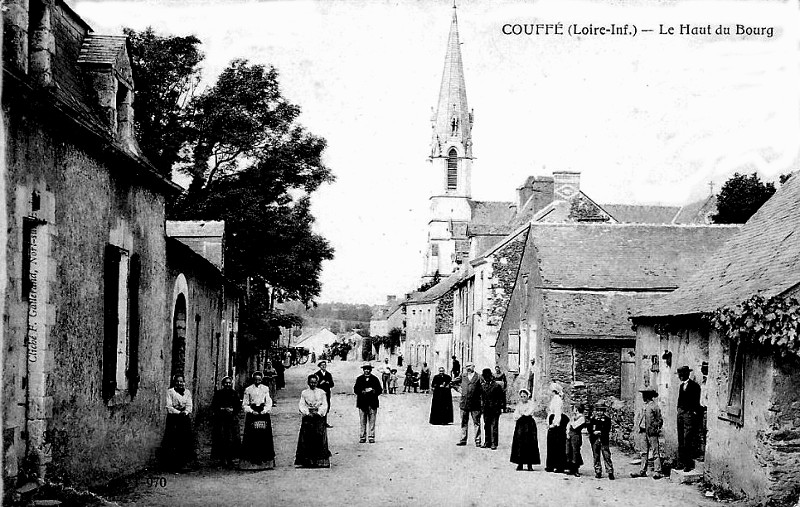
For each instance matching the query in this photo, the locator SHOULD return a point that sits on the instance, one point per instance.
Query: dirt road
(412, 463)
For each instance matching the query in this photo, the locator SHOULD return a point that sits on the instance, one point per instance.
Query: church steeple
(452, 121)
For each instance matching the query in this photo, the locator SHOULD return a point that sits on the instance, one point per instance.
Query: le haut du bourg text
(631, 29)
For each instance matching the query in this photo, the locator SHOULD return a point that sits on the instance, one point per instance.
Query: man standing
(367, 389)
(455, 371)
(530, 376)
(470, 405)
(325, 382)
(647, 427)
(688, 408)
(386, 371)
(492, 398)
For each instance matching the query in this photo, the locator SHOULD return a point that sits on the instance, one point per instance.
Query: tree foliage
(740, 197)
(430, 284)
(773, 323)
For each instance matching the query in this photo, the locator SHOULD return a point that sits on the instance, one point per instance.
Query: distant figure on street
(502, 381)
(325, 382)
(455, 371)
(531, 378)
(647, 429)
(312, 442)
(410, 382)
(385, 371)
(556, 431)
(574, 440)
(225, 408)
(393, 381)
(400, 360)
(525, 445)
(258, 450)
(178, 435)
(492, 401)
(688, 409)
(367, 389)
(442, 399)
(287, 359)
(313, 357)
(425, 379)
(280, 378)
(470, 405)
(599, 438)
(271, 381)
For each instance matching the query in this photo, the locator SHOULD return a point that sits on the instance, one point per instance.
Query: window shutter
(111, 320)
(134, 276)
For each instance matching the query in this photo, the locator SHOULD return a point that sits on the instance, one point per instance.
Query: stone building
(574, 286)
(752, 445)
(429, 326)
(91, 296)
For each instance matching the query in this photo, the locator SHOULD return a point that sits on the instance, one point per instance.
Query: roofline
(661, 289)
(75, 15)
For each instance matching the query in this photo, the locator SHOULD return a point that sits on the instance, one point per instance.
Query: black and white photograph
(400, 252)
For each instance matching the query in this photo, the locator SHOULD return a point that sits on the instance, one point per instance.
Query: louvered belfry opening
(452, 170)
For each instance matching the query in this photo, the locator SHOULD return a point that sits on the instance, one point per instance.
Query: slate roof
(490, 229)
(763, 259)
(622, 256)
(491, 212)
(592, 314)
(195, 228)
(102, 49)
(437, 291)
(642, 214)
(697, 212)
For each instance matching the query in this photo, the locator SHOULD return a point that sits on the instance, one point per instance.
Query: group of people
(412, 380)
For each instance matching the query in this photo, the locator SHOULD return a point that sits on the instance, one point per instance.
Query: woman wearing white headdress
(556, 431)
(525, 445)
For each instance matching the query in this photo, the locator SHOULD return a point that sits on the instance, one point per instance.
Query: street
(412, 463)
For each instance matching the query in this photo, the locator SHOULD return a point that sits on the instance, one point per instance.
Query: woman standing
(442, 400)
(271, 380)
(225, 408)
(425, 379)
(556, 431)
(259, 451)
(500, 378)
(410, 381)
(312, 443)
(178, 435)
(525, 445)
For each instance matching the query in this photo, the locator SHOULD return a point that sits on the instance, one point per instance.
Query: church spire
(452, 122)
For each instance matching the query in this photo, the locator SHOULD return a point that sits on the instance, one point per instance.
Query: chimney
(566, 184)
(15, 35)
(42, 43)
(540, 189)
(525, 191)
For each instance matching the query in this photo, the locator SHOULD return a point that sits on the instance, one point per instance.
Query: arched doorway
(179, 337)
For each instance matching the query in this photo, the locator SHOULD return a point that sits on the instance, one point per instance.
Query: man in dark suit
(325, 382)
(367, 389)
(688, 408)
(492, 401)
(470, 405)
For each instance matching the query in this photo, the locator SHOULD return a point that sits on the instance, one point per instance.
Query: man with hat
(325, 382)
(367, 389)
(599, 428)
(647, 425)
(470, 404)
(688, 408)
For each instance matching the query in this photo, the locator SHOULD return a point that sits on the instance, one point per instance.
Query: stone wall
(444, 314)
(505, 267)
(783, 433)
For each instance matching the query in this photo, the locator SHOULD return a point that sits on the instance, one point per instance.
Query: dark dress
(425, 379)
(178, 450)
(312, 444)
(442, 400)
(225, 441)
(525, 445)
(574, 441)
(557, 445)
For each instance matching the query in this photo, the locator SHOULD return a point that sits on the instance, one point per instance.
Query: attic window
(452, 170)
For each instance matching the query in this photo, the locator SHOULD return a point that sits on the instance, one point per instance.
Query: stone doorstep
(681, 477)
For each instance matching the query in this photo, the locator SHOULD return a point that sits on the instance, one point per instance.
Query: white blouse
(257, 395)
(556, 408)
(177, 403)
(523, 409)
(313, 398)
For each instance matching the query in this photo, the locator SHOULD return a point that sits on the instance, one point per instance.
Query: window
(627, 373)
(435, 250)
(452, 170)
(116, 333)
(513, 350)
(735, 404)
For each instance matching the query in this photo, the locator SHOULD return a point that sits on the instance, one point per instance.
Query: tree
(740, 197)
(166, 72)
(430, 284)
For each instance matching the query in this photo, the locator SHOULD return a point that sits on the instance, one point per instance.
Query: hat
(649, 391)
(366, 366)
(600, 404)
(486, 373)
(555, 386)
(323, 361)
(469, 364)
(523, 390)
(684, 369)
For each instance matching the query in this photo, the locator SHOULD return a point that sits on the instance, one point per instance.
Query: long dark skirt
(312, 443)
(556, 446)
(178, 446)
(574, 458)
(525, 445)
(424, 381)
(441, 406)
(258, 451)
(225, 442)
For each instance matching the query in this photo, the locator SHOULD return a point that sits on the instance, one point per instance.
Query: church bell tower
(451, 157)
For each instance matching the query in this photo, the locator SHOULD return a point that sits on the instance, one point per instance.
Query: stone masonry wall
(505, 266)
(444, 314)
(782, 436)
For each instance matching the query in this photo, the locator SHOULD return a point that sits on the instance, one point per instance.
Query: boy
(648, 422)
(574, 440)
(393, 381)
(599, 430)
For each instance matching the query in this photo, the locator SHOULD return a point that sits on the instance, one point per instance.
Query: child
(393, 381)
(599, 430)
(648, 422)
(574, 440)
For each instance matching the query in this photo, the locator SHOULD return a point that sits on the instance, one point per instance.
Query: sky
(647, 118)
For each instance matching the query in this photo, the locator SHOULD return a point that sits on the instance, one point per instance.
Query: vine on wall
(769, 322)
